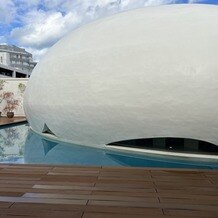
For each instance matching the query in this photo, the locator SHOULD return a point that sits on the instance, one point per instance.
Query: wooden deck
(95, 192)
(4, 121)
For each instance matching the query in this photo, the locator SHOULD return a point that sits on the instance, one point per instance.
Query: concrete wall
(145, 73)
(4, 58)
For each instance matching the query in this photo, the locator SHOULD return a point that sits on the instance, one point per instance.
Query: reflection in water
(12, 142)
(137, 161)
(38, 150)
(48, 145)
(21, 145)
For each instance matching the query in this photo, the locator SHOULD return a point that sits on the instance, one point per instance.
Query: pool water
(20, 145)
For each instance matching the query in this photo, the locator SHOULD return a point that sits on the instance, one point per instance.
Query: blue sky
(37, 24)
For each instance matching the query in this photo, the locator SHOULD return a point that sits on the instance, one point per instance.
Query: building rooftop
(13, 48)
(17, 58)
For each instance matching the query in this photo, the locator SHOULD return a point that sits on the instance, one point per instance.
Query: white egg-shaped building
(145, 73)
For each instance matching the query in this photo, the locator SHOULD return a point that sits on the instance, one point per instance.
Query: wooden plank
(95, 188)
(34, 190)
(117, 215)
(43, 200)
(91, 197)
(5, 205)
(65, 191)
(123, 210)
(19, 206)
(4, 121)
(195, 201)
(190, 213)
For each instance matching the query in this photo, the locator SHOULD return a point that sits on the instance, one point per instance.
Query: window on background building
(1, 60)
(20, 75)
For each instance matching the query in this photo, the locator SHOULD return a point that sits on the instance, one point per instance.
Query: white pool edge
(131, 150)
(164, 153)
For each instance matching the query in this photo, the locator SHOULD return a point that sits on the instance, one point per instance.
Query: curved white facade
(151, 72)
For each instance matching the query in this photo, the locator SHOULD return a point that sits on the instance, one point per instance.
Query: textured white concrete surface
(151, 72)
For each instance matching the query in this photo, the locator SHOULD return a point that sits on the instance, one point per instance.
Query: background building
(15, 61)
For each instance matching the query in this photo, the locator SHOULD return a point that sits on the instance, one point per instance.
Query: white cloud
(42, 29)
(194, 1)
(23, 5)
(3, 40)
(158, 2)
(7, 11)
(43, 26)
(38, 53)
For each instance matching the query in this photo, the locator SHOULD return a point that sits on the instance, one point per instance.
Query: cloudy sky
(37, 24)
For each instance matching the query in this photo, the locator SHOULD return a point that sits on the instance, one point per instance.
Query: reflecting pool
(19, 144)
